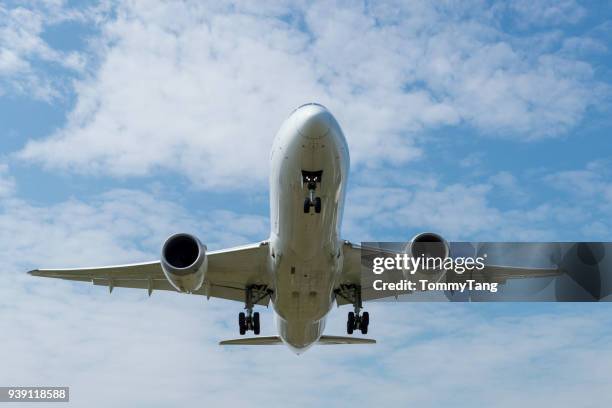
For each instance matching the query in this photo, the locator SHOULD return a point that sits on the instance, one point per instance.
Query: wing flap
(229, 293)
(497, 273)
(134, 271)
(151, 285)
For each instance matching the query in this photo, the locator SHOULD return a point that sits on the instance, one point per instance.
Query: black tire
(317, 204)
(306, 205)
(365, 321)
(256, 326)
(350, 323)
(242, 323)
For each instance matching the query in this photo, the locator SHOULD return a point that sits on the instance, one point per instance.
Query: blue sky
(121, 123)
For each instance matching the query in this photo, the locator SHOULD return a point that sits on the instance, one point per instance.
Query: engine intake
(429, 245)
(184, 262)
(181, 251)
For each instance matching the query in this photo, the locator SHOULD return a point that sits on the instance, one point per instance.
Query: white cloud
(201, 89)
(591, 183)
(544, 12)
(116, 227)
(509, 186)
(457, 211)
(7, 182)
(472, 211)
(584, 45)
(23, 48)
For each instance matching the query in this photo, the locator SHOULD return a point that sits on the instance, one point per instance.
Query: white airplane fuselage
(305, 248)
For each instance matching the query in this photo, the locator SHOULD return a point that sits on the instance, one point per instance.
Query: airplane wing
(229, 272)
(352, 272)
(356, 255)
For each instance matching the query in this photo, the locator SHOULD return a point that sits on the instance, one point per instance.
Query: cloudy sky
(123, 122)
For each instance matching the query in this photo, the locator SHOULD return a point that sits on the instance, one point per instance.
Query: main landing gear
(249, 320)
(356, 320)
(310, 179)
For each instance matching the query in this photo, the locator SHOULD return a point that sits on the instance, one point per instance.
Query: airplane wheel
(317, 205)
(306, 205)
(365, 321)
(350, 323)
(242, 323)
(256, 323)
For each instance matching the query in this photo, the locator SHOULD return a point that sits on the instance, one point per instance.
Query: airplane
(304, 268)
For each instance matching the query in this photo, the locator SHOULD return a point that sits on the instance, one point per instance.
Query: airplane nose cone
(313, 121)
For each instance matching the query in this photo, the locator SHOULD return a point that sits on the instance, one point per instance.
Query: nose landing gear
(356, 320)
(309, 202)
(310, 179)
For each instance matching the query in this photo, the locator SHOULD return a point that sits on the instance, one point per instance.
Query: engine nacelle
(184, 262)
(429, 245)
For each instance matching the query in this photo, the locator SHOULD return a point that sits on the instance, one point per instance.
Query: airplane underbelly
(303, 297)
(303, 292)
(307, 233)
(306, 249)
(300, 334)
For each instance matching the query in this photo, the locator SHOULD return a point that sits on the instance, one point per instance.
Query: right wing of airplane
(229, 272)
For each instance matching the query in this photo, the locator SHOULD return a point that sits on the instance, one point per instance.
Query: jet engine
(184, 262)
(429, 245)
(586, 267)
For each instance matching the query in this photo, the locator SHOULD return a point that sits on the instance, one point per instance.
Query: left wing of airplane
(228, 273)
(353, 273)
(357, 261)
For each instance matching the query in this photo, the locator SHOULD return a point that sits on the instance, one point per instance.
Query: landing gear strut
(249, 320)
(310, 179)
(356, 320)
